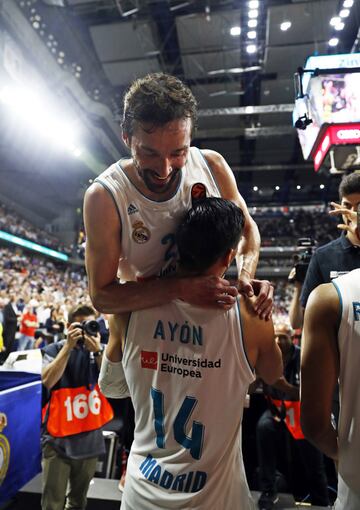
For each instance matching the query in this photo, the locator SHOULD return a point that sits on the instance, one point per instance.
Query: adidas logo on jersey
(132, 209)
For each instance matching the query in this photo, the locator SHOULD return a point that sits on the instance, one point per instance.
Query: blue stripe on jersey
(252, 369)
(341, 303)
(210, 170)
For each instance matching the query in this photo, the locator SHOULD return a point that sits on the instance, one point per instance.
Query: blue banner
(20, 453)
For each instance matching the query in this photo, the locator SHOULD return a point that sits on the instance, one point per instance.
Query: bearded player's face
(159, 153)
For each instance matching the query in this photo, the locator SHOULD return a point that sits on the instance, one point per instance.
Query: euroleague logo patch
(149, 360)
(140, 234)
(198, 191)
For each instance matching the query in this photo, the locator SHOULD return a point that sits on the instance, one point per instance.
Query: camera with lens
(90, 327)
(305, 248)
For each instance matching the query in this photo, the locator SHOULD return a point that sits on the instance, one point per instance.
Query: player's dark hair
(80, 311)
(208, 231)
(157, 99)
(349, 184)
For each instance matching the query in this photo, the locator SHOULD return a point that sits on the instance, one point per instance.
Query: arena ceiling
(86, 52)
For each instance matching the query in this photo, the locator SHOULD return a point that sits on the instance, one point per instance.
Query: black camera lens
(91, 327)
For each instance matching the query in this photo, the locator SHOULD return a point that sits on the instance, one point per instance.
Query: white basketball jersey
(188, 376)
(148, 227)
(348, 287)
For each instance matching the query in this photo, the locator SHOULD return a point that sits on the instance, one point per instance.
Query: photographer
(340, 255)
(74, 412)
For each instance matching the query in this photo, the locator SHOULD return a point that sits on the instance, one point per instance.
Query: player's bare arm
(103, 250)
(320, 368)
(249, 247)
(117, 328)
(112, 381)
(262, 351)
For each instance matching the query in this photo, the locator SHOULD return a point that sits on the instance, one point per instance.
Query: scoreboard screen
(331, 98)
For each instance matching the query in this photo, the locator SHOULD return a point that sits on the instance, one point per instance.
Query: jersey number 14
(193, 443)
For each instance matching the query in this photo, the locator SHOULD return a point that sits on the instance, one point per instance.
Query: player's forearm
(118, 298)
(290, 390)
(112, 381)
(296, 312)
(250, 247)
(52, 373)
(324, 439)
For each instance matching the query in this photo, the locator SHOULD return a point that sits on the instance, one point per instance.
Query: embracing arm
(103, 250)
(249, 246)
(320, 368)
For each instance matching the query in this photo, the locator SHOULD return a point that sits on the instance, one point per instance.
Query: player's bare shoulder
(324, 300)
(216, 161)
(254, 328)
(99, 207)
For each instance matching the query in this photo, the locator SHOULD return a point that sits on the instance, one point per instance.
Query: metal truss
(247, 110)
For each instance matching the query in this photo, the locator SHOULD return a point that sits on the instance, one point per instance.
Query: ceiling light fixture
(335, 20)
(178, 6)
(348, 3)
(339, 26)
(253, 4)
(253, 13)
(285, 25)
(252, 23)
(334, 41)
(251, 48)
(344, 13)
(234, 31)
(252, 34)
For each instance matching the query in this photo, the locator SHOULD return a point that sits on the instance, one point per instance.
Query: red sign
(149, 360)
(335, 134)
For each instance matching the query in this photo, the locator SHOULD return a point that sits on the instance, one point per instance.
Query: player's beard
(146, 174)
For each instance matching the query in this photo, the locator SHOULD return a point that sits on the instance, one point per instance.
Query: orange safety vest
(75, 410)
(292, 417)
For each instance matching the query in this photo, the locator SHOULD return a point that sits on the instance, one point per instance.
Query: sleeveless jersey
(188, 376)
(147, 226)
(348, 287)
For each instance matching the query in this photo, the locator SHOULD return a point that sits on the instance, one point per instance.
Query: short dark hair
(208, 231)
(80, 310)
(349, 184)
(157, 99)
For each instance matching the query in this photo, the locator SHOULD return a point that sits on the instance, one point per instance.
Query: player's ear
(229, 257)
(126, 139)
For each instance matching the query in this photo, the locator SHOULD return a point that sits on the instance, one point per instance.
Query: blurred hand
(349, 217)
(92, 343)
(74, 334)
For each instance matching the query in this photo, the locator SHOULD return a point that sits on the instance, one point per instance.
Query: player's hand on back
(263, 292)
(208, 291)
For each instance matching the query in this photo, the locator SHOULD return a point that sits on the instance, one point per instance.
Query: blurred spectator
(283, 417)
(54, 324)
(28, 325)
(12, 223)
(10, 318)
